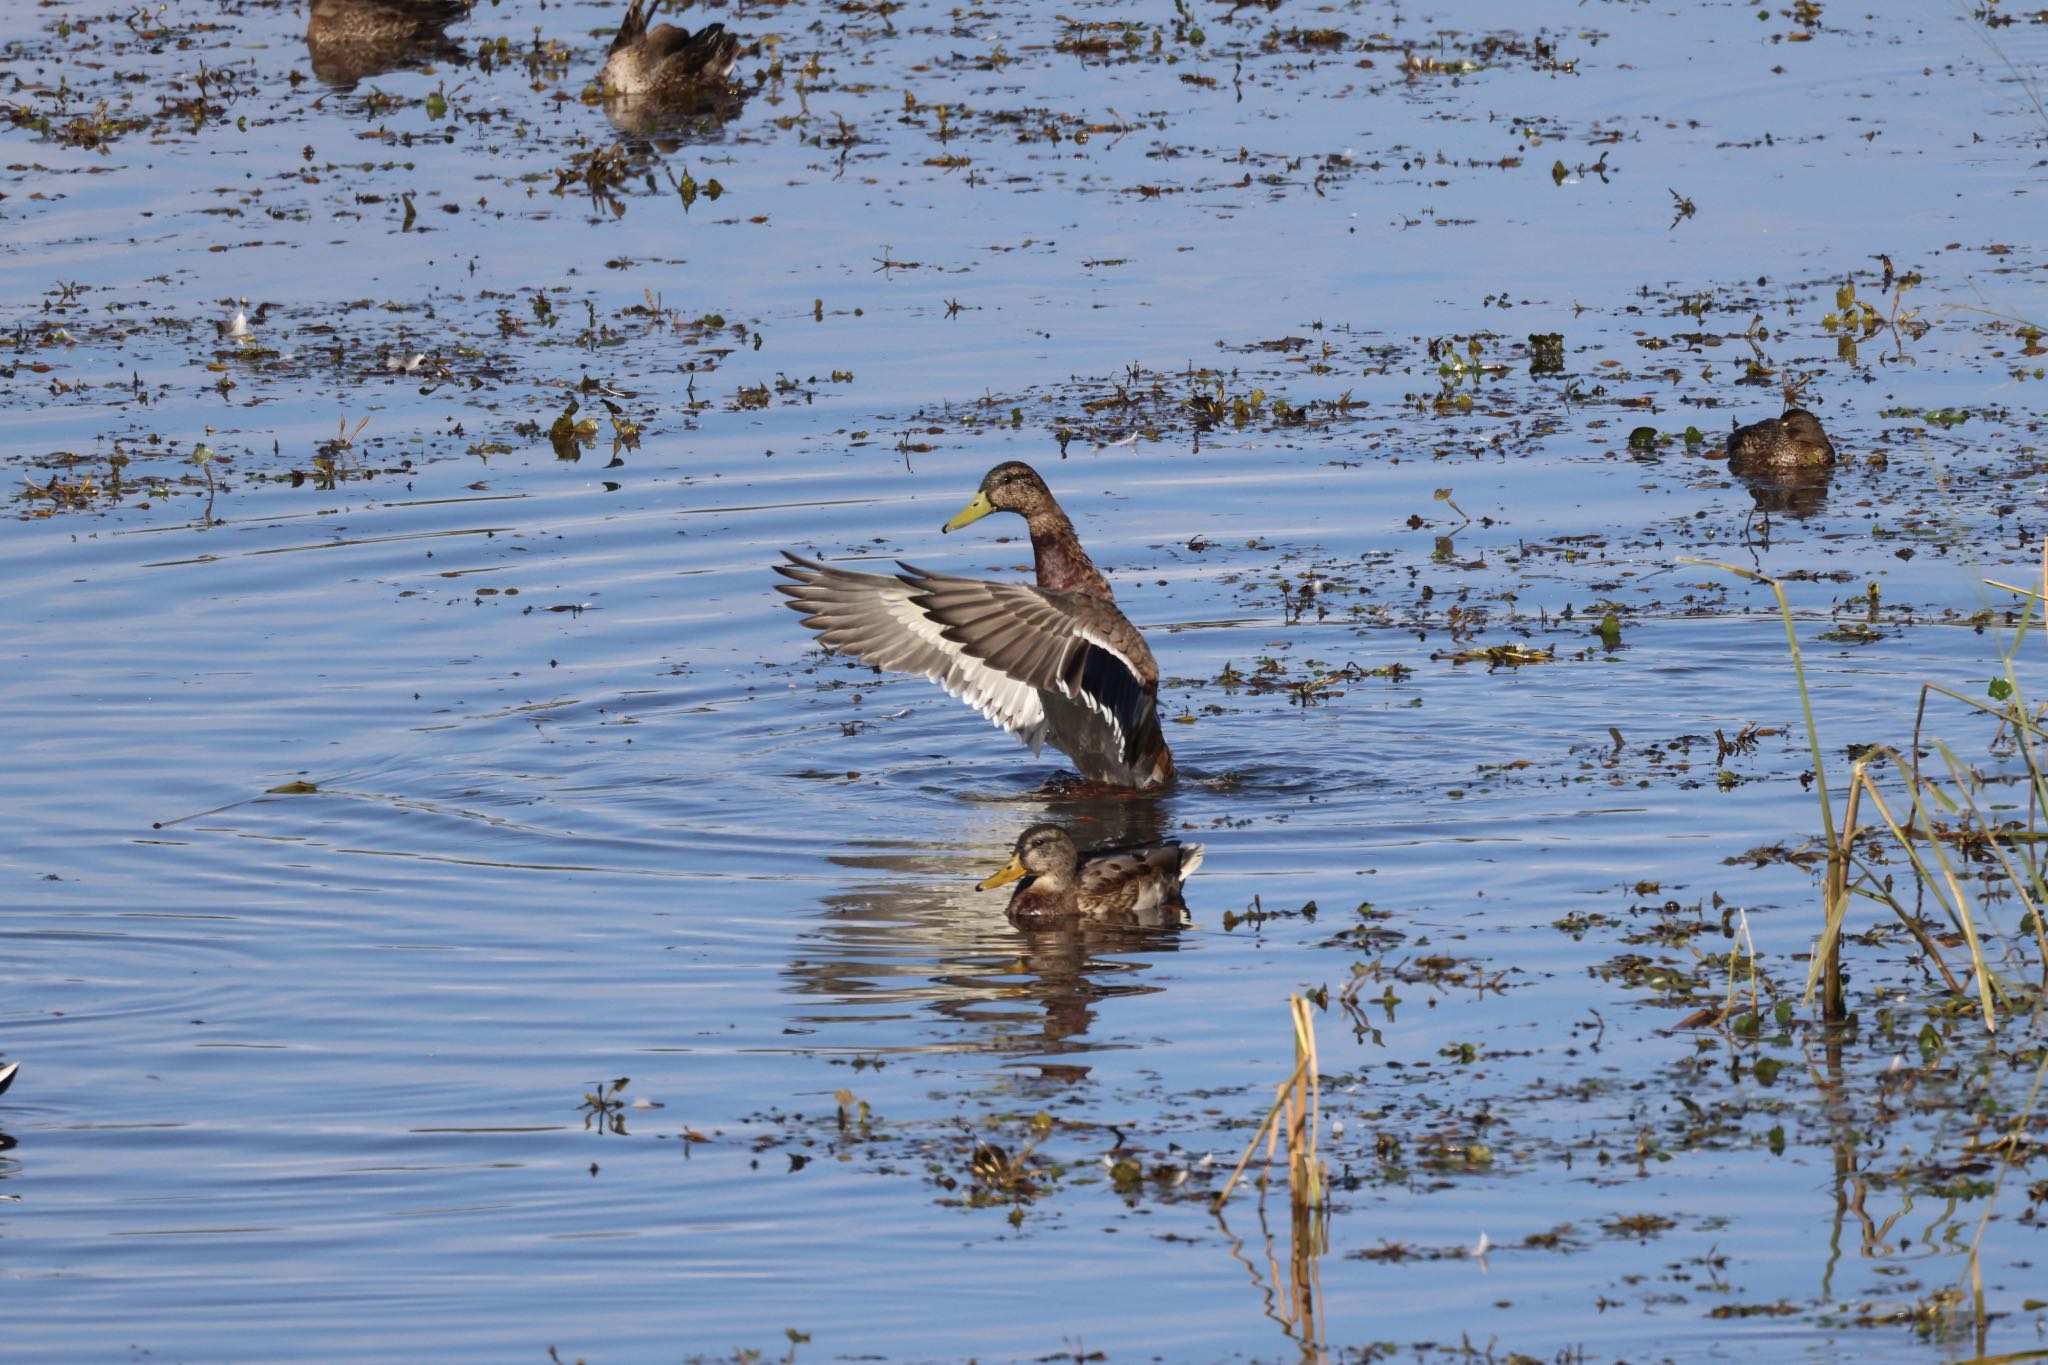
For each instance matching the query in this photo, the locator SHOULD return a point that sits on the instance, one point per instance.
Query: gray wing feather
(1043, 638)
(877, 619)
(1004, 648)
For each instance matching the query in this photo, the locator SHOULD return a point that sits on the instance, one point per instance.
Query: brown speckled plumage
(351, 40)
(1792, 441)
(665, 63)
(1136, 888)
(1052, 663)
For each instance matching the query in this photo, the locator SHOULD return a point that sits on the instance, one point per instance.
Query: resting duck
(1792, 441)
(1056, 662)
(350, 40)
(1126, 888)
(666, 62)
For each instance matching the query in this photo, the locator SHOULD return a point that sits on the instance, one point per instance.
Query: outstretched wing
(876, 618)
(995, 645)
(1077, 646)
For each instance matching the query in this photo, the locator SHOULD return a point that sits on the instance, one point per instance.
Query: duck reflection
(920, 939)
(1796, 492)
(667, 124)
(350, 40)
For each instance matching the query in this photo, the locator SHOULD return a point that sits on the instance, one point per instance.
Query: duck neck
(1054, 881)
(1062, 564)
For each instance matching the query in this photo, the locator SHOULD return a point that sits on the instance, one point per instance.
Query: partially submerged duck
(1053, 663)
(666, 63)
(349, 40)
(1129, 888)
(1792, 441)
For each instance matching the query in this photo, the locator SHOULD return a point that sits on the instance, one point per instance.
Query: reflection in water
(918, 939)
(1796, 492)
(349, 40)
(1948, 1311)
(1291, 1303)
(667, 123)
(1296, 1119)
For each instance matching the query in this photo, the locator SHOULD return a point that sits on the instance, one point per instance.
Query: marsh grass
(1827, 960)
(1950, 836)
(1945, 820)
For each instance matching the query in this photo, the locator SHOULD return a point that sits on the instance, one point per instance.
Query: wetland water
(426, 762)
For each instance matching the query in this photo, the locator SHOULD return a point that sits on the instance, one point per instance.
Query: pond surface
(385, 788)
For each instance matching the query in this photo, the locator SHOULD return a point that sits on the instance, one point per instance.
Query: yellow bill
(972, 512)
(1011, 870)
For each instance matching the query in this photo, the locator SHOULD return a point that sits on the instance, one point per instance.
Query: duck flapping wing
(1001, 647)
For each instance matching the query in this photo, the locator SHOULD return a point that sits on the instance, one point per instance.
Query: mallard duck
(1133, 888)
(349, 40)
(1056, 662)
(1792, 441)
(666, 62)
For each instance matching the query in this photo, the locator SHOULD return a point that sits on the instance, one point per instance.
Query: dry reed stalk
(1297, 1107)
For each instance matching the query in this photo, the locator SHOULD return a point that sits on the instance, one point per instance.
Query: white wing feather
(873, 618)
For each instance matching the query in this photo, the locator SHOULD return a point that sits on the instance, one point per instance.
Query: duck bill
(1010, 872)
(972, 512)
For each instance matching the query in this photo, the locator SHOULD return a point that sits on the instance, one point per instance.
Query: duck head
(1803, 433)
(1046, 852)
(1012, 486)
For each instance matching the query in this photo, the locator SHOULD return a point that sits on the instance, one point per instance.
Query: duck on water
(1054, 661)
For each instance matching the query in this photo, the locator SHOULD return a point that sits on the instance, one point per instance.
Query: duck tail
(633, 27)
(1190, 859)
(717, 51)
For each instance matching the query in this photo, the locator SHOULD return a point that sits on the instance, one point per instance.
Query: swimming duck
(349, 40)
(7, 1075)
(1792, 441)
(666, 62)
(1132, 888)
(1055, 663)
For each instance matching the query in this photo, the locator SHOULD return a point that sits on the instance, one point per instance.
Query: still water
(382, 791)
